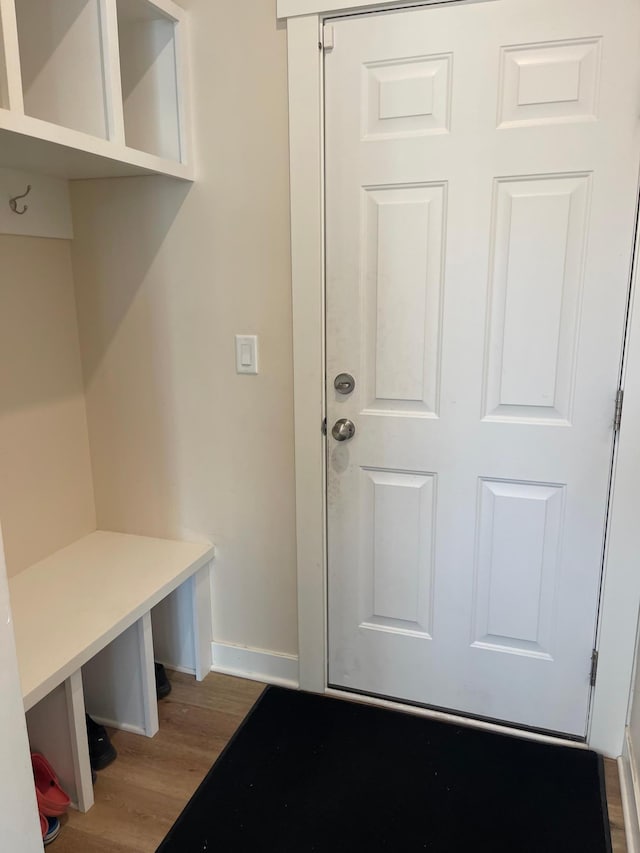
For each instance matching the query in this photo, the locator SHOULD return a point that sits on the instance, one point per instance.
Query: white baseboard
(630, 792)
(255, 664)
(123, 727)
(174, 667)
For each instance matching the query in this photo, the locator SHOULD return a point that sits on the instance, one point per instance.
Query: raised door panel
(397, 553)
(403, 278)
(518, 542)
(407, 97)
(538, 240)
(550, 82)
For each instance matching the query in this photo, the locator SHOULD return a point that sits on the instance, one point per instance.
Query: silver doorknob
(343, 430)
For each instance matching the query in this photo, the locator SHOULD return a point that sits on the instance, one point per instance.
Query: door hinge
(328, 38)
(324, 426)
(594, 668)
(617, 418)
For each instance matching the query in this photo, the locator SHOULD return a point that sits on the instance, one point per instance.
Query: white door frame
(620, 600)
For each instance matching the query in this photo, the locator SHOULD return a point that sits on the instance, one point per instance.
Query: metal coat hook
(13, 202)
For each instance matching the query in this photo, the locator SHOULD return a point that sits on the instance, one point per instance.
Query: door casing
(620, 596)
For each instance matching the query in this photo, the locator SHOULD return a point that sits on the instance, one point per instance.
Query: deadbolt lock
(344, 383)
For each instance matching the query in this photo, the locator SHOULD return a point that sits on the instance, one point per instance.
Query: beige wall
(166, 274)
(46, 491)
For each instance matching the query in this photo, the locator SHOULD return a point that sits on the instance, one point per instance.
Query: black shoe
(101, 751)
(163, 686)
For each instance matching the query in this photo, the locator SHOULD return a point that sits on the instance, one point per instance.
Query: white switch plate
(246, 354)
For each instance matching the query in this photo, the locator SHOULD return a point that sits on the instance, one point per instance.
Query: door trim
(294, 8)
(620, 598)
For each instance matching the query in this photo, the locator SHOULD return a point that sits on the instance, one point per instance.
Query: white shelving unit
(94, 88)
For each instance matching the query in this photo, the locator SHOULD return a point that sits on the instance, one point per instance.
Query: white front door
(482, 169)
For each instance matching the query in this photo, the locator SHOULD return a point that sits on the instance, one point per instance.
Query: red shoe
(52, 800)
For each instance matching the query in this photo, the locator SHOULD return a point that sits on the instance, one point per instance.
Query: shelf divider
(112, 76)
(11, 51)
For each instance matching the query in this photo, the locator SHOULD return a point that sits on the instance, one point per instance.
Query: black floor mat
(309, 773)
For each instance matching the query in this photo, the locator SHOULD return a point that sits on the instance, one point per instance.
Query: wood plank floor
(614, 803)
(139, 797)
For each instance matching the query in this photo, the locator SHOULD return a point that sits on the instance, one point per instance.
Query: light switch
(246, 354)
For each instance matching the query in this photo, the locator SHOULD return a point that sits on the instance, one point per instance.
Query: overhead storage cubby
(94, 88)
(149, 72)
(62, 63)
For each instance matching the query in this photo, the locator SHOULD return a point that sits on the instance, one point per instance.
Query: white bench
(82, 621)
